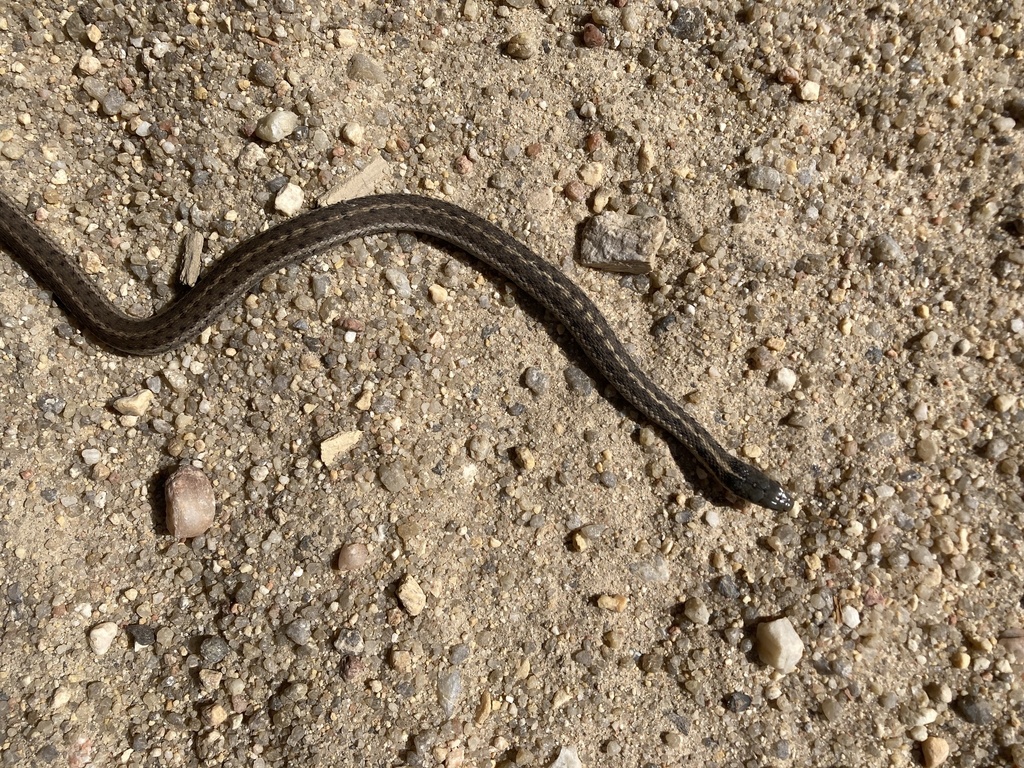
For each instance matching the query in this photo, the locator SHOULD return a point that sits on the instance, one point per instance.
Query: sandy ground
(838, 300)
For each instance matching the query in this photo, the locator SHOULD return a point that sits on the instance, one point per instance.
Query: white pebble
(289, 199)
(102, 636)
(568, 757)
(783, 379)
(277, 125)
(779, 645)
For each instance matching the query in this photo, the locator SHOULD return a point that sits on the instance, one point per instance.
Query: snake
(319, 229)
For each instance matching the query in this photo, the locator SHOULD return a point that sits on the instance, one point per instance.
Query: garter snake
(317, 230)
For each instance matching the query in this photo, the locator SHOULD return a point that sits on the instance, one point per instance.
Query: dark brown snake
(318, 230)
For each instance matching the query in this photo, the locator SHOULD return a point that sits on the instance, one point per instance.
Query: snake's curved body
(314, 232)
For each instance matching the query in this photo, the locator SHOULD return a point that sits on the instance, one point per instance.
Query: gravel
(837, 297)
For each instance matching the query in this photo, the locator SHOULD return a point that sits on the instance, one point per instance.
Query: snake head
(750, 483)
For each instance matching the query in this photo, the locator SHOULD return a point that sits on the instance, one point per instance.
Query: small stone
(1004, 403)
(764, 177)
(299, 631)
(689, 23)
(365, 70)
(449, 689)
(535, 380)
(353, 133)
(411, 596)
(392, 476)
(350, 642)
(696, 610)
(621, 243)
(524, 458)
(613, 603)
(809, 90)
(521, 46)
(926, 450)
(934, 751)
(289, 200)
(1012, 639)
(134, 405)
(738, 702)
(102, 636)
(337, 445)
(352, 556)
(779, 645)
(974, 709)
(276, 126)
(213, 649)
(568, 757)
(885, 250)
(214, 715)
(479, 447)
(783, 380)
(190, 503)
(593, 37)
(92, 456)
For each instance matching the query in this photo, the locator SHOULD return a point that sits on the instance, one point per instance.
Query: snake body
(318, 230)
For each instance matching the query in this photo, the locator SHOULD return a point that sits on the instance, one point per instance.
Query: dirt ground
(838, 300)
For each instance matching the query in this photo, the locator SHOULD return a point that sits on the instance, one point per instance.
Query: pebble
(364, 69)
(521, 46)
(926, 449)
(567, 757)
(621, 243)
(613, 603)
(974, 709)
(191, 506)
(101, 637)
(696, 610)
(336, 446)
(352, 556)
(765, 178)
(783, 380)
(392, 476)
(449, 689)
(213, 715)
(779, 645)
(885, 250)
(289, 200)
(1012, 639)
(535, 380)
(213, 649)
(809, 90)
(934, 751)
(299, 631)
(411, 596)
(689, 23)
(524, 458)
(353, 133)
(350, 642)
(399, 281)
(738, 702)
(278, 125)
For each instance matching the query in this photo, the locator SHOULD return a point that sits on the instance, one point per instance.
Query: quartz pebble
(102, 636)
(276, 126)
(567, 757)
(190, 503)
(779, 645)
